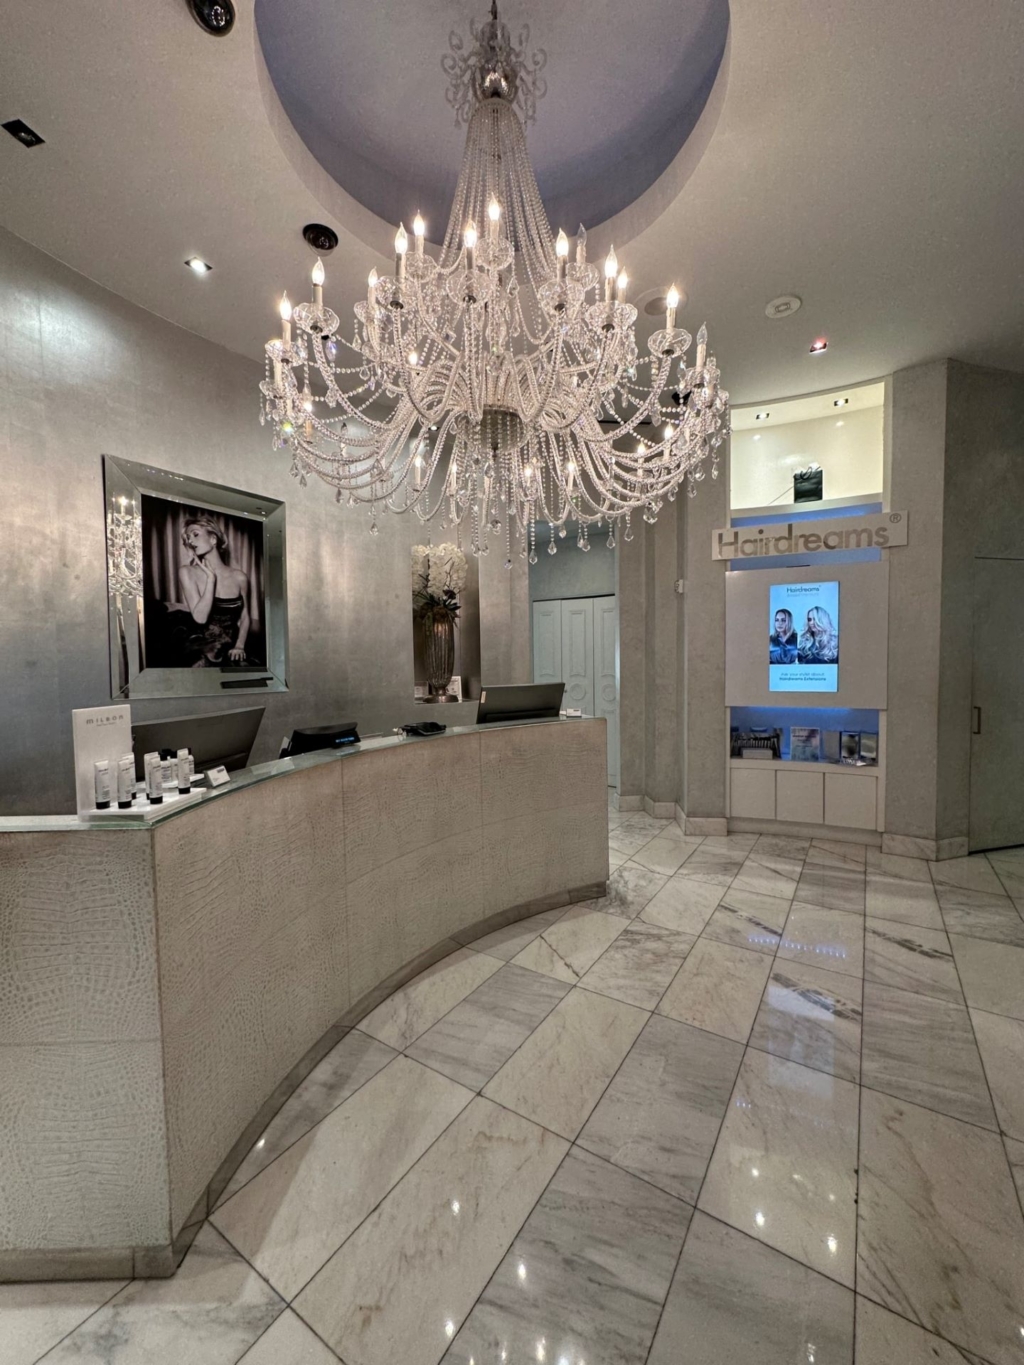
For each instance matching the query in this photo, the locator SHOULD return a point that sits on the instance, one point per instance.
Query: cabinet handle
(975, 720)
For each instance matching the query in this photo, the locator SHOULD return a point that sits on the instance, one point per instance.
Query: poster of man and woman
(803, 639)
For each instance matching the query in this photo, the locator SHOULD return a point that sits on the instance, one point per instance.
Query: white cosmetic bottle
(101, 778)
(125, 781)
(184, 772)
(154, 779)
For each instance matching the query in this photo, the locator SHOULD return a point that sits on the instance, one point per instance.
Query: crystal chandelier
(500, 384)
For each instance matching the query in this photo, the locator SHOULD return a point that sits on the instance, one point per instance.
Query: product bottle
(101, 777)
(154, 779)
(184, 777)
(167, 774)
(125, 781)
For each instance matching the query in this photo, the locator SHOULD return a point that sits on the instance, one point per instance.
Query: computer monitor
(219, 738)
(523, 701)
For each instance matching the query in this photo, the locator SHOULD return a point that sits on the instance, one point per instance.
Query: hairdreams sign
(878, 531)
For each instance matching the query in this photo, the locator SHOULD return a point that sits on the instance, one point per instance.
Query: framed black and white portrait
(195, 577)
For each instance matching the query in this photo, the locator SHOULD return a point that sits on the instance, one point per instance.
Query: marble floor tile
(767, 855)
(833, 939)
(885, 1339)
(752, 876)
(297, 1212)
(896, 865)
(706, 865)
(1001, 1044)
(630, 887)
(34, 1317)
(941, 1238)
(980, 915)
(513, 938)
(654, 824)
(585, 1278)
(560, 1072)
(837, 853)
(748, 920)
(401, 1286)
(923, 1051)
(992, 974)
(730, 843)
(736, 1301)
(718, 988)
(346, 1067)
(209, 1313)
(288, 1341)
(666, 853)
(660, 1115)
(616, 859)
(781, 846)
(683, 904)
(784, 1167)
(639, 965)
(834, 888)
(413, 1009)
(628, 841)
(477, 1037)
(1015, 1156)
(811, 1016)
(913, 958)
(902, 900)
(971, 874)
(568, 948)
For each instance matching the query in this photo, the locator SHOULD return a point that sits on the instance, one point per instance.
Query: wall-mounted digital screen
(803, 637)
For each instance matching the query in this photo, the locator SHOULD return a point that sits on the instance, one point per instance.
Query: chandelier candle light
(495, 386)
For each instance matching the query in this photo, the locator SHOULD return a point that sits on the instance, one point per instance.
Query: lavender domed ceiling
(363, 86)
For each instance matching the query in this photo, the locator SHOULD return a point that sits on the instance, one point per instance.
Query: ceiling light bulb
(622, 281)
(757, 436)
(494, 210)
(286, 309)
(840, 402)
(469, 237)
(419, 227)
(401, 240)
(373, 278)
(198, 265)
(561, 244)
(672, 298)
(668, 433)
(318, 275)
(413, 358)
(819, 346)
(611, 265)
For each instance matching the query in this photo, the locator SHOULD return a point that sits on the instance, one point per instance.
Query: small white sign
(216, 777)
(99, 732)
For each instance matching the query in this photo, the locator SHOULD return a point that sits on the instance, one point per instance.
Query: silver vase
(439, 649)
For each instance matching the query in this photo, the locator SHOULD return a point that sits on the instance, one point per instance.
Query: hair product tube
(101, 777)
(154, 779)
(184, 775)
(125, 781)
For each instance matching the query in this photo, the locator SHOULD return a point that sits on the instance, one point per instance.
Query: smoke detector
(782, 307)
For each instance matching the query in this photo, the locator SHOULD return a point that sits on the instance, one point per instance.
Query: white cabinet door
(578, 653)
(752, 792)
(606, 676)
(547, 642)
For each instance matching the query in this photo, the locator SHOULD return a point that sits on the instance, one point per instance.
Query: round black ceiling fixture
(320, 237)
(213, 16)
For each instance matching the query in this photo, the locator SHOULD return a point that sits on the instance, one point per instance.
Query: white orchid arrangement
(438, 577)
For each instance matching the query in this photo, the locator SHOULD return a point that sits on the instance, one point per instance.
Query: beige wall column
(630, 590)
(701, 652)
(504, 618)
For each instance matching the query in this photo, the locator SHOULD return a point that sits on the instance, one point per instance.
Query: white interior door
(606, 676)
(997, 717)
(547, 642)
(578, 652)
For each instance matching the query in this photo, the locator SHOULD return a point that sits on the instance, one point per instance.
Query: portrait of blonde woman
(819, 639)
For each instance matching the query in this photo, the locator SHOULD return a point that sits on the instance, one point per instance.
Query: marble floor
(763, 1102)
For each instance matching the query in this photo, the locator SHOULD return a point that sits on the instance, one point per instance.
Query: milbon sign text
(879, 531)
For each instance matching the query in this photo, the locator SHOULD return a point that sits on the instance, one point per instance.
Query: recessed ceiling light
(21, 132)
(819, 346)
(840, 402)
(761, 416)
(782, 307)
(200, 266)
(757, 436)
(839, 424)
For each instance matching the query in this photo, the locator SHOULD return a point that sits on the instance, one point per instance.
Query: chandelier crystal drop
(499, 384)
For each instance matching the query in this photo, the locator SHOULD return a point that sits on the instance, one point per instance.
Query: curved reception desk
(165, 986)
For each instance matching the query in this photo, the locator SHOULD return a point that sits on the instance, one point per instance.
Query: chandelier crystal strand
(500, 382)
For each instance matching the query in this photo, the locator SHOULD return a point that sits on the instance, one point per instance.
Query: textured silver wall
(83, 373)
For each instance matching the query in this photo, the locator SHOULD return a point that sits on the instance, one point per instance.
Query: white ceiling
(868, 157)
(807, 409)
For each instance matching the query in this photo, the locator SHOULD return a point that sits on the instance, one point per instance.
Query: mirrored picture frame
(196, 585)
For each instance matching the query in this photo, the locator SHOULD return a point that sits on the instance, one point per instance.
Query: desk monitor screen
(525, 701)
(221, 737)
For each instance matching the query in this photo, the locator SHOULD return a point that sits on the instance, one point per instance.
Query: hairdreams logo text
(879, 532)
